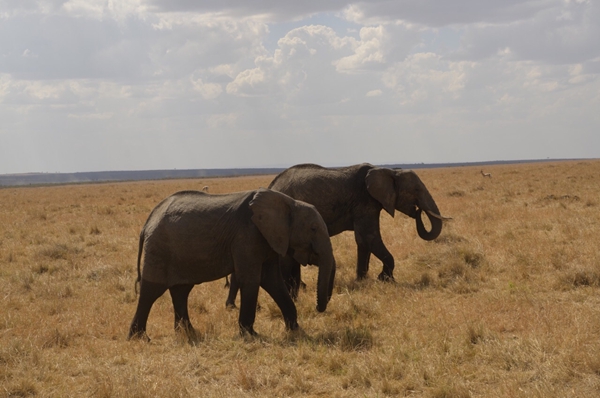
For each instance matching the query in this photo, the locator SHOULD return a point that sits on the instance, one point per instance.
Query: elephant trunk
(436, 226)
(325, 279)
(427, 204)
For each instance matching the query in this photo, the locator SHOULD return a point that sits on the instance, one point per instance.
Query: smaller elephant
(193, 237)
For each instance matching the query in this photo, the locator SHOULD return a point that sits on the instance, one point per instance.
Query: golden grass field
(505, 303)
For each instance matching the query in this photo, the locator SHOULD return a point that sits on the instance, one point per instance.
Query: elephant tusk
(438, 216)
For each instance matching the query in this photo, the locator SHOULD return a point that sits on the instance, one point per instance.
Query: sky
(95, 85)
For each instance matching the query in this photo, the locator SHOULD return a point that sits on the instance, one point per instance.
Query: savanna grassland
(505, 303)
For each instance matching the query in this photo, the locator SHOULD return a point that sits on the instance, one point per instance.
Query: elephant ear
(380, 184)
(271, 213)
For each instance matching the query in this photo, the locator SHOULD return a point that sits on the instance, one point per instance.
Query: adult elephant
(351, 199)
(193, 237)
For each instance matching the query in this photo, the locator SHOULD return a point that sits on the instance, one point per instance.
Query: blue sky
(89, 85)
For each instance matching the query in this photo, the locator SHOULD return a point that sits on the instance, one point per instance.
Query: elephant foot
(139, 335)
(386, 278)
(292, 326)
(187, 333)
(184, 325)
(247, 331)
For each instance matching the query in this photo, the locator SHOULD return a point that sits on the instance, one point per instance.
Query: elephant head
(404, 191)
(297, 229)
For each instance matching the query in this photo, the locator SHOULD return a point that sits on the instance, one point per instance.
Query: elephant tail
(139, 260)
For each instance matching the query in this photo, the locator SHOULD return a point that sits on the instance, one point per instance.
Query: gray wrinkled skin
(351, 199)
(193, 237)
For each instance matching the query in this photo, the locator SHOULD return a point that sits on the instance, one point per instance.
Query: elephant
(193, 237)
(351, 199)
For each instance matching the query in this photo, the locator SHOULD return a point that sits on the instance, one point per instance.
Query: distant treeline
(110, 176)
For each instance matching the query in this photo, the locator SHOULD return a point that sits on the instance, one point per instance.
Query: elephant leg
(234, 287)
(383, 254)
(290, 270)
(248, 301)
(149, 293)
(179, 296)
(274, 285)
(363, 255)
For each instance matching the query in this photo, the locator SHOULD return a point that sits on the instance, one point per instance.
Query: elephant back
(334, 192)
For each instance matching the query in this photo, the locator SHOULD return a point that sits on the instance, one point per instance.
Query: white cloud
(303, 55)
(106, 115)
(28, 54)
(248, 83)
(5, 83)
(217, 121)
(207, 90)
(370, 49)
(107, 84)
(426, 77)
(272, 11)
(563, 32)
(41, 91)
(87, 8)
(438, 13)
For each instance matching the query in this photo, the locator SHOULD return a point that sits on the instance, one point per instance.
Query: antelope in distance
(486, 174)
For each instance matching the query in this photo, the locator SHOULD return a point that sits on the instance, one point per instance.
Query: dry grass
(504, 304)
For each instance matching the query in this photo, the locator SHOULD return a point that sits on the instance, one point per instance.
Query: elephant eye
(313, 228)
